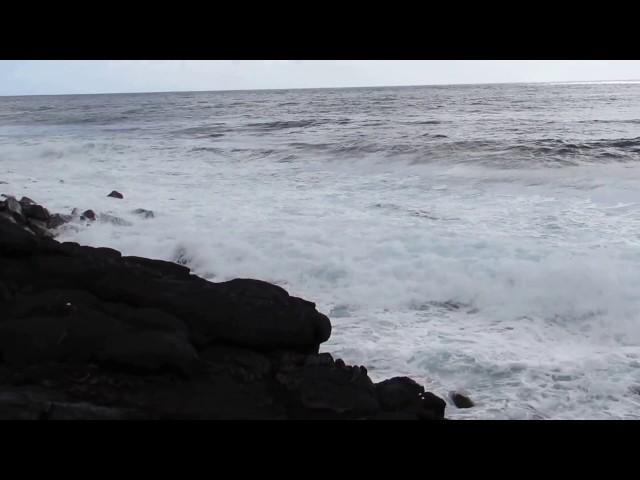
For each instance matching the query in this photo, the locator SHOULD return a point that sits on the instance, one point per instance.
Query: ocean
(477, 238)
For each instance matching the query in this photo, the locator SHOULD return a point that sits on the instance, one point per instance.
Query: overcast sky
(38, 77)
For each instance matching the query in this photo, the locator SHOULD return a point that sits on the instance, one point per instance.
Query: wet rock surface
(460, 400)
(86, 333)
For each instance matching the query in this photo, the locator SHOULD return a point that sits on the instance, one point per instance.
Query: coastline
(88, 333)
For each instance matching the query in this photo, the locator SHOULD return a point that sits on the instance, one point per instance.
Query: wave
(287, 124)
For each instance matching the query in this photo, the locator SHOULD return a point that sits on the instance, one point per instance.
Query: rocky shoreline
(87, 333)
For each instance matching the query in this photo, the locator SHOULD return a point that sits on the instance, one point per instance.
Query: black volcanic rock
(87, 333)
(460, 400)
(398, 392)
(115, 194)
(37, 212)
(58, 219)
(39, 227)
(402, 394)
(88, 214)
(13, 206)
(148, 350)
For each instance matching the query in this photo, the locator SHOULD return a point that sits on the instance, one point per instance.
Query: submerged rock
(58, 219)
(144, 213)
(88, 215)
(106, 218)
(460, 400)
(115, 194)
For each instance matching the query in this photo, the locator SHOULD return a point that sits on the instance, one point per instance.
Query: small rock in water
(144, 213)
(88, 214)
(460, 400)
(115, 194)
(26, 201)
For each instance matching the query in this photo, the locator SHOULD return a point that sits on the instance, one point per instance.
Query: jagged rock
(14, 207)
(14, 240)
(7, 216)
(26, 201)
(338, 390)
(398, 392)
(39, 227)
(432, 407)
(144, 213)
(37, 212)
(115, 194)
(320, 359)
(159, 267)
(460, 400)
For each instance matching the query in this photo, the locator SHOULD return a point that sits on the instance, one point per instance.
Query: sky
(48, 77)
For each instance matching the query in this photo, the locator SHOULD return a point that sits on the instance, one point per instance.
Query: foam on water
(518, 285)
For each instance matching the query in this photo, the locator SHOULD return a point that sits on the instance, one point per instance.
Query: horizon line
(325, 88)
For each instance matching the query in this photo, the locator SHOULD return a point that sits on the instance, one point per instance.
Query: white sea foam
(543, 278)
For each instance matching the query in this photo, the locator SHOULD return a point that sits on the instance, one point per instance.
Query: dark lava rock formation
(87, 333)
(460, 400)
